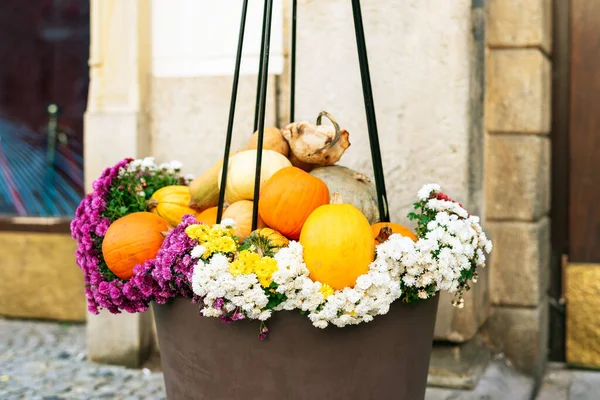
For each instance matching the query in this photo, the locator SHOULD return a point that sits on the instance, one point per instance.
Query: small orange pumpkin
(272, 140)
(288, 198)
(241, 213)
(131, 240)
(209, 216)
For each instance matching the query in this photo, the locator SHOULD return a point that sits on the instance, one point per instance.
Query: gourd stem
(236, 78)
(266, 38)
(336, 198)
(152, 203)
(338, 131)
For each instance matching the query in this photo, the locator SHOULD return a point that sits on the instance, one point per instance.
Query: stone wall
(517, 176)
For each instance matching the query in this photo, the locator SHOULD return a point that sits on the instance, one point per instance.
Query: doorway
(575, 154)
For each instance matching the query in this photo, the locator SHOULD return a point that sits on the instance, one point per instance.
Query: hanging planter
(324, 297)
(204, 359)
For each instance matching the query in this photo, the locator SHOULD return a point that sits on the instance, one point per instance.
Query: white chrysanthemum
(426, 190)
(148, 163)
(175, 165)
(227, 223)
(133, 165)
(198, 251)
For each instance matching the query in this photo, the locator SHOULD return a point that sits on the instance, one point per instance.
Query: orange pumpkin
(381, 237)
(209, 216)
(131, 240)
(288, 198)
(241, 213)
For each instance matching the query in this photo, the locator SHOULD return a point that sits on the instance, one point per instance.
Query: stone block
(520, 23)
(517, 177)
(520, 268)
(458, 366)
(518, 89)
(40, 278)
(120, 339)
(458, 325)
(583, 320)
(522, 335)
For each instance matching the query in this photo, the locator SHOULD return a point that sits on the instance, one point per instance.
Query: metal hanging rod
(261, 95)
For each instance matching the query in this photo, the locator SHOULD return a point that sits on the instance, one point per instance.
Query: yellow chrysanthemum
(216, 232)
(326, 290)
(197, 232)
(237, 267)
(249, 262)
(264, 269)
(244, 264)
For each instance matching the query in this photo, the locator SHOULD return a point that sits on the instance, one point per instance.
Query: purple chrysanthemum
(91, 222)
(169, 275)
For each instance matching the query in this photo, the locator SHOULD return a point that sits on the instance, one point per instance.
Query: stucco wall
(419, 59)
(189, 118)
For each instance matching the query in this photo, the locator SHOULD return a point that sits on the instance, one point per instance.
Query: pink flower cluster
(88, 228)
(170, 274)
(157, 280)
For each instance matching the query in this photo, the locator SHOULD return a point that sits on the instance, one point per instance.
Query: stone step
(498, 382)
(458, 366)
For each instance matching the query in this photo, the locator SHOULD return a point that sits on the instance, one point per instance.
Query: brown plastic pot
(204, 358)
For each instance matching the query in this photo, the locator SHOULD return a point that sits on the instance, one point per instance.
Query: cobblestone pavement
(47, 361)
(560, 383)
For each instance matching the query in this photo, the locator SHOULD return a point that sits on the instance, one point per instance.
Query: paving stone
(499, 382)
(41, 360)
(556, 382)
(585, 386)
